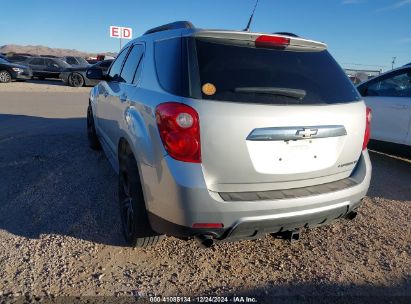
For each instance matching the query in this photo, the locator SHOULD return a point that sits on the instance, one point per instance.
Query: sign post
(121, 32)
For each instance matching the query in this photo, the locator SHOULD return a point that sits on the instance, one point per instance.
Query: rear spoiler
(261, 40)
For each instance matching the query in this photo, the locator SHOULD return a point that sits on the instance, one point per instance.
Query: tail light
(208, 225)
(367, 133)
(272, 42)
(179, 129)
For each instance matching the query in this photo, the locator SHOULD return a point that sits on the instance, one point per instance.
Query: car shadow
(397, 150)
(51, 182)
(48, 81)
(391, 177)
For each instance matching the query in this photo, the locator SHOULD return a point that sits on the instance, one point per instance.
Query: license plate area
(294, 156)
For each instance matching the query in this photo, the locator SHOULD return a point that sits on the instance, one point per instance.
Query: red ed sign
(121, 32)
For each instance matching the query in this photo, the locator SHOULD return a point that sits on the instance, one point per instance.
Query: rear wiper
(287, 92)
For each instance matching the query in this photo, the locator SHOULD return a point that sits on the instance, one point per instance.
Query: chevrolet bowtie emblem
(307, 133)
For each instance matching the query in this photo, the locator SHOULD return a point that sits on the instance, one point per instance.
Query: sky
(363, 34)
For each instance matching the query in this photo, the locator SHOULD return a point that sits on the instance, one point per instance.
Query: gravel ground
(60, 228)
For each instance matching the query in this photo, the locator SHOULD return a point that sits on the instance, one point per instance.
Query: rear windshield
(257, 75)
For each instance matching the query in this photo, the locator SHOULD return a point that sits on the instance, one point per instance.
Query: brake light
(208, 225)
(273, 42)
(179, 129)
(367, 133)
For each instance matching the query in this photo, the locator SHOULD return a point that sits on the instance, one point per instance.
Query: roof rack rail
(286, 34)
(171, 26)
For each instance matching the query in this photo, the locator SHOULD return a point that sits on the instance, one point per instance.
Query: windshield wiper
(287, 92)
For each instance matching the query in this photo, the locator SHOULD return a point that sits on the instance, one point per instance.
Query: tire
(136, 226)
(76, 80)
(93, 141)
(5, 76)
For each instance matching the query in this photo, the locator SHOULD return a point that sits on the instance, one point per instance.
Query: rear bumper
(181, 199)
(254, 227)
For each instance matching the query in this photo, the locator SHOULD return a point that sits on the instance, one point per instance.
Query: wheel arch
(125, 147)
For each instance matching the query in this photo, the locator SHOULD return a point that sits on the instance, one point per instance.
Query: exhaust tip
(205, 241)
(351, 215)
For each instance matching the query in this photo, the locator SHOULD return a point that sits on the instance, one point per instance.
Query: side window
(51, 63)
(71, 60)
(397, 85)
(132, 62)
(117, 64)
(168, 61)
(37, 61)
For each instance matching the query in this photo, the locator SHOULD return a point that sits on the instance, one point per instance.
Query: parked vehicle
(76, 76)
(389, 97)
(227, 135)
(75, 61)
(44, 67)
(10, 71)
(101, 57)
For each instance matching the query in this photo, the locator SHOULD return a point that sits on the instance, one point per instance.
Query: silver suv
(228, 135)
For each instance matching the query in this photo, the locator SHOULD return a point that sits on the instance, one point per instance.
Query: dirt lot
(60, 226)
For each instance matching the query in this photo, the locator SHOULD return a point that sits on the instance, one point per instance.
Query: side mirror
(95, 73)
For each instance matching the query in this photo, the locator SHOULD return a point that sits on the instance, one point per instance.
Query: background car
(45, 67)
(101, 57)
(389, 97)
(76, 76)
(10, 71)
(75, 61)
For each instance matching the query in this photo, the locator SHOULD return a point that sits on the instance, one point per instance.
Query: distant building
(358, 76)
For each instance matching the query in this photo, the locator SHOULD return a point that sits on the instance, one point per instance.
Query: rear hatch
(276, 112)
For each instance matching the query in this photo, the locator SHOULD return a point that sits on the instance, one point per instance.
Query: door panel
(120, 93)
(107, 96)
(390, 118)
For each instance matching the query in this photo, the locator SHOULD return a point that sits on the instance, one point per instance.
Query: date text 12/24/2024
(203, 299)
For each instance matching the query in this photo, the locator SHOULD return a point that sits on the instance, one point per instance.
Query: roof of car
(186, 28)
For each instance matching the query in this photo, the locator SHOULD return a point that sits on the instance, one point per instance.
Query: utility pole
(393, 62)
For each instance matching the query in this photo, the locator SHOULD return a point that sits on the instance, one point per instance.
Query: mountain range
(44, 50)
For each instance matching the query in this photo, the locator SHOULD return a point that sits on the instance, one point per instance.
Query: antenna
(247, 29)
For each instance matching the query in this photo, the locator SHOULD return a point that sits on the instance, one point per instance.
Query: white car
(389, 97)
